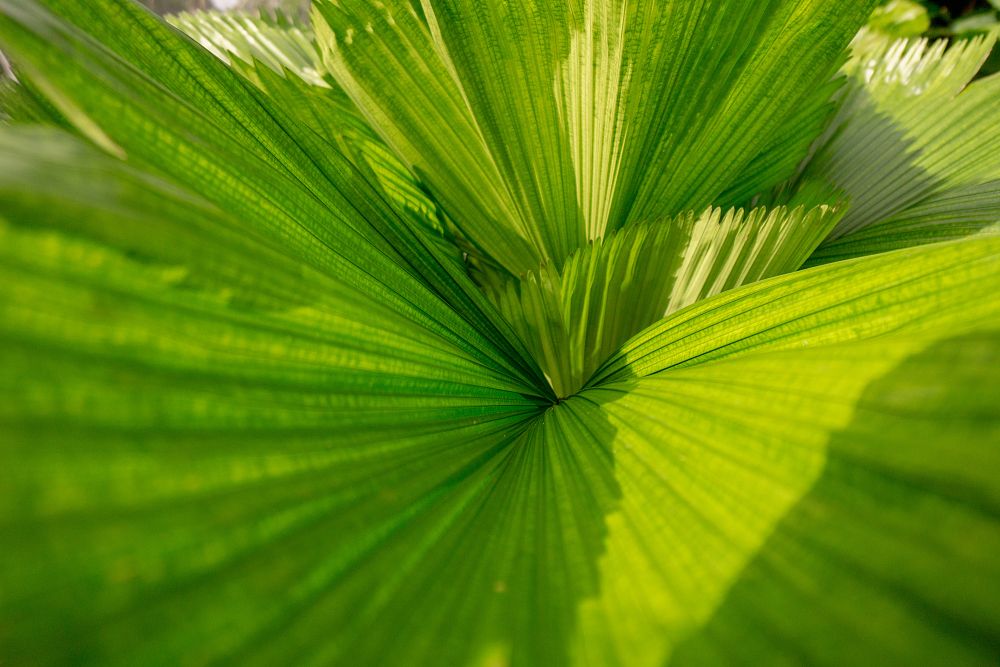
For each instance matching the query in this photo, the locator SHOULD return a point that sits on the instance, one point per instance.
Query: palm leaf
(601, 114)
(213, 132)
(260, 404)
(572, 320)
(260, 49)
(232, 36)
(911, 172)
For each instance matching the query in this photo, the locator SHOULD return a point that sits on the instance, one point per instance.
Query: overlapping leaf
(540, 128)
(251, 413)
(573, 319)
(280, 46)
(848, 301)
(192, 118)
(259, 490)
(914, 145)
(261, 48)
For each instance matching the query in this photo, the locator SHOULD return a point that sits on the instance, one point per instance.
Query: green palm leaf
(280, 46)
(594, 118)
(439, 337)
(261, 48)
(575, 319)
(913, 175)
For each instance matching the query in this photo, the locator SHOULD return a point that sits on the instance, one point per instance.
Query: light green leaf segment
(915, 145)
(280, 45)
(467, 333)
(578, 317)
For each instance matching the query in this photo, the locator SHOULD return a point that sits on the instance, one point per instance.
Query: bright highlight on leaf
(463, 333)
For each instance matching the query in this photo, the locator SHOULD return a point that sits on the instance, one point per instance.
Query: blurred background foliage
(962, 16)
(956, 19)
